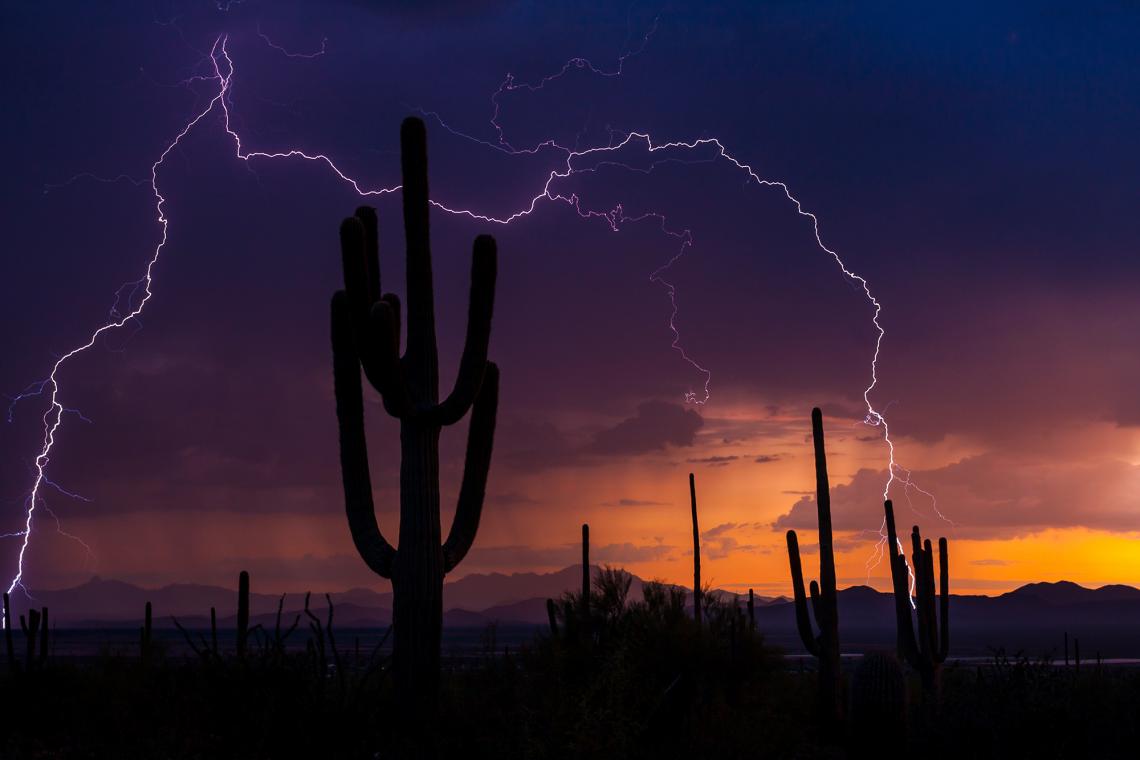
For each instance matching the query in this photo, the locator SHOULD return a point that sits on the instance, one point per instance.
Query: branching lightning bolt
(288, 53)
(576, 161)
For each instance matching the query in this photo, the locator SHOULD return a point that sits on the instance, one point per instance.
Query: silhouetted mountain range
(1033, 617)
(472, 600)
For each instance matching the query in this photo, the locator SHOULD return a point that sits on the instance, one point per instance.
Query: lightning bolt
(126, 309)
(289, 54)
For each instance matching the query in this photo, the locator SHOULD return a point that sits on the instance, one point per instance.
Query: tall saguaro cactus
(824, 646)
(696, 552)
(585, 573)
(366, 335)
(243, 613)
(926, 649)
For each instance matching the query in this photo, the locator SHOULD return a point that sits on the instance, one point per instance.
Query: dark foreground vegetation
(631, 680)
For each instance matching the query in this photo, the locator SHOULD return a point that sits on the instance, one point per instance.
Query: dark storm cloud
(532, 445)
(718, 460)
(634, 503)
(730, 538)
(657, 425)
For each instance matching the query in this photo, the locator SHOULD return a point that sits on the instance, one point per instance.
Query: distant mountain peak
(1068, 592)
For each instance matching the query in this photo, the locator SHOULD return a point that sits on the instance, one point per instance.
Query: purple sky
(976, 164)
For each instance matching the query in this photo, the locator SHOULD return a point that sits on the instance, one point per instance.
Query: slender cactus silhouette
(145, 633)
(243, 613)
(44, 636)
(552, 617)
(824, 601)
(585, 601)
(31, 628)
(696, 552)
(926, 649)
(9, 645)
(366, 335)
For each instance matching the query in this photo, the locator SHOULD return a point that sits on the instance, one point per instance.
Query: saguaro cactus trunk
(9, 646)
(243, 613)
(696, 552)
(585, 572)
(366, 335)
(145, 632)
(824, 600)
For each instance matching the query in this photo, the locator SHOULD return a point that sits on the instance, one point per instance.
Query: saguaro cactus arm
(481, 305)
(377, 553)
(803, 621)
(480, 440)
(372, 321)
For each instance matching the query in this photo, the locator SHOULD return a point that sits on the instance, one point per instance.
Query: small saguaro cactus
(145, 633)
(552, 617)
(751, 610)
(243, 613)
(585, 600)
(696, 552)
(824, 646)
(214, 631)
(9, 645)
(926, 649)
(44, 636)
(31, 628)
(366, 335)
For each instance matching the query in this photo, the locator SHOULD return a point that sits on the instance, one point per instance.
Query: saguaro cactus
(926, 649)
(31, 627)
(696, 552)
(585, 573)
(366, 334)
(9, 646)
(552, 617)
(145, 632)
(824, 646)
(43, 636)
(243, 613)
